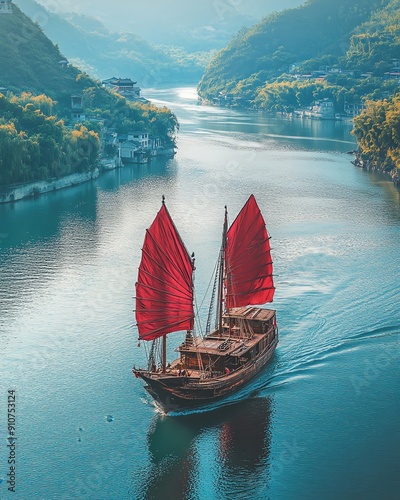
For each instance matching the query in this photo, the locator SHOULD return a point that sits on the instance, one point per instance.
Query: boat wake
(305, 365)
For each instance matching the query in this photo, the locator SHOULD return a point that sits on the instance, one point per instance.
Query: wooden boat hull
(174, 393)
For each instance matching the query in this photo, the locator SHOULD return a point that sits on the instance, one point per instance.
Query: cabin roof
(247, 312)
(234, 345)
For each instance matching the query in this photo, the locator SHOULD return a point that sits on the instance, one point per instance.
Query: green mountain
(347, 51)
(88, 44)
(375, 44)
(343, 38)
(39, 138)
(30, 61)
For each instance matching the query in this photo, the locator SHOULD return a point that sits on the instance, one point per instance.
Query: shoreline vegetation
(342, 56)
(365, 163)
(55, 119)
(40, 153)
(49, 142)
(377, 131)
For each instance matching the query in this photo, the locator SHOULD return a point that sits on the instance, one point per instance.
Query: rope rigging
(211, 307)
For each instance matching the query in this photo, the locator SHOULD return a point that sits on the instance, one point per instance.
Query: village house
(294, 67)
(392, 75)
(63, 63)
(131, 152)
(323, 109)
(5, 7)
(302, 77)
(396, 65)
(77, 108)
(353, 108)
(110, 82)
(125, 87)
(155, 145)
(138, 147)
(142, 138)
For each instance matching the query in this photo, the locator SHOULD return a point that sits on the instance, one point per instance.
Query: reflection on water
(41, 218)
(267, 130)
(68, 341)
(391, 192)
(180, 448)
(42, 236)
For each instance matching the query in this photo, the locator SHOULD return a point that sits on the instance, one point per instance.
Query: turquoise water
(321, 421)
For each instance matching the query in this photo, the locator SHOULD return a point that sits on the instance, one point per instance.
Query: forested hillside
(29, 60)
(339, 50)
(347, 51)
(377, 131)
(39, 137)
(35, 145)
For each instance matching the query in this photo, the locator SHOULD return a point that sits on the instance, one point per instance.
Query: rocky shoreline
(23, 191)
(363, 162)
(33, 189)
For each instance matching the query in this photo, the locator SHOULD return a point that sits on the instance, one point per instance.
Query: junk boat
(245, 335)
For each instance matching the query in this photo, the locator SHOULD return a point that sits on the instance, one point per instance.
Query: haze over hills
(29, 60)
(120, 40)
(89, 45)
(191, 24)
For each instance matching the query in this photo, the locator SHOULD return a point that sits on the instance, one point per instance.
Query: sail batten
(164, 290)
(152, 278)
(173, 262)
(248, 262)
(172, 292)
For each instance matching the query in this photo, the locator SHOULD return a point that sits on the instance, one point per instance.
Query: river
(321, 421)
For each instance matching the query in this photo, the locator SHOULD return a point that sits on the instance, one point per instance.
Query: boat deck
(231, 341)
(221, 346)
(175, 370)
(195, 374)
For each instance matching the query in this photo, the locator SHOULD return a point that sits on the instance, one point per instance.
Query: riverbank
(16, 193)
(306, 113)
(362, 162)
(23, 191)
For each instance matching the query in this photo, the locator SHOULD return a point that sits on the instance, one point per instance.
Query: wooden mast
(164, 340)
(221, 272)
(164, 353)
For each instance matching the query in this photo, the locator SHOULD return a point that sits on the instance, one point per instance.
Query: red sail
(164, 291)
(248, 260)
